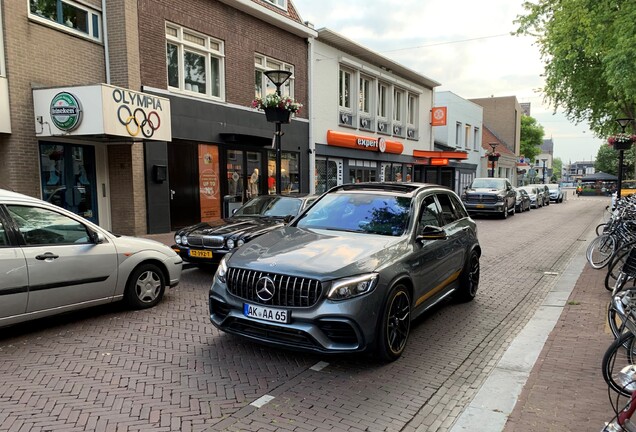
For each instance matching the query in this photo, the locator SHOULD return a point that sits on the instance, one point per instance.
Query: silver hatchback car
(54, 261)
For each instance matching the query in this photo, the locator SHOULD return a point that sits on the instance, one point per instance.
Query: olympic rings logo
(138, 121)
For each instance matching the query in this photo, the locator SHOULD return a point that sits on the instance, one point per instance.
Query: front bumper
(184, 253)
(327, 327)
(485, 208)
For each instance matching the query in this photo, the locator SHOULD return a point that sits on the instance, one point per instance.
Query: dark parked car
(351, 272)
(207, 242)
(543, 189)
(490, 195)
(536, 195)
(523, 200)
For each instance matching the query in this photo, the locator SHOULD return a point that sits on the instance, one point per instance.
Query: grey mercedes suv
(351, 272)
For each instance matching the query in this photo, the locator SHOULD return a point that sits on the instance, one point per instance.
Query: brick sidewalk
(565, 390)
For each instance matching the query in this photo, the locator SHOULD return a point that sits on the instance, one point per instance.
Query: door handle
(46, 256)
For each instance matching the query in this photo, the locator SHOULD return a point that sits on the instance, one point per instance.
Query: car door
(428, 265)
(456, 225)
(65, 266)
(14, 278)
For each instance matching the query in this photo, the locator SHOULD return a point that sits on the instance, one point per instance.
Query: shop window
(326, 175)
(263, 86)
(290, 173)
(194, 62)
(68, 16)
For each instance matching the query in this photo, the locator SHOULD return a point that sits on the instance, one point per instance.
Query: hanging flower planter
(621, 141)
(277, 115)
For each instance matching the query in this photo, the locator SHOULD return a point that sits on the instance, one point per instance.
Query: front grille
(206, 241)
(480, 198)
(289, 291)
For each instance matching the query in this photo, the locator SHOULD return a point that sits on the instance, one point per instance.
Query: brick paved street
(168, 368)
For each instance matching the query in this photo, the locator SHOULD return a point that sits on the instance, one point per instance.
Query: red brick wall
(244, 36)
(37, 56)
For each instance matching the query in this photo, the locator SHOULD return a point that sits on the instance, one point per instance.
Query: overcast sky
(463, 44)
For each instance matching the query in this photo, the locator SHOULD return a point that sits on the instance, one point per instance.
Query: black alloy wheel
(469, 279)
(396, 324)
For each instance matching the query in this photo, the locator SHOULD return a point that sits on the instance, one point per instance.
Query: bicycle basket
(629, 268)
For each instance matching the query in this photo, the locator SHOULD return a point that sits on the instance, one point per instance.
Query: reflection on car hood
(318, 254)
(239, 226)
(483, 190)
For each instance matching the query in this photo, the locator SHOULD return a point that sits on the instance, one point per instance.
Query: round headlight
(240, 243)
(177, 239)
(230, 243)
(184, 240)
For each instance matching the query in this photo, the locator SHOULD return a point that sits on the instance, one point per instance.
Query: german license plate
(200, 253)
(265, 313)
(479, 206)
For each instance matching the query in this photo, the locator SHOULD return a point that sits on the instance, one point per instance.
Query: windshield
(488, 183)
(270, 206)
(356, 212)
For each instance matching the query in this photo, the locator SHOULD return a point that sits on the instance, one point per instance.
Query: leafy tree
(588, 47)
(557, 169)
(607, 161)
(531, 137)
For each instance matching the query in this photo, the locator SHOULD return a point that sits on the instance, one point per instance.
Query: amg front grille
(289, 291)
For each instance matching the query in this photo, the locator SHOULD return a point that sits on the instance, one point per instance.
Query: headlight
(184, 240)
(230, 243)
(347, 288)
(500, 198)
(221, 271)
(177, 239)
(240, 243)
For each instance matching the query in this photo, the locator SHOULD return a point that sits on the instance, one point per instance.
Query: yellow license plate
(200, 253)
(479, 206)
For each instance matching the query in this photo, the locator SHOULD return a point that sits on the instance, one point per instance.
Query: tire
(145, 287)
(514, 211)
(504, 214)
(395, 324)
(469, 279)
(600, 251)
(614, 267)
(616, 358)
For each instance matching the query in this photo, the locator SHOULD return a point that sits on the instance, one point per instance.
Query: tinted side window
(42, 226)
(448, 211)
(460, 210)
(429, 214)
(3, 236)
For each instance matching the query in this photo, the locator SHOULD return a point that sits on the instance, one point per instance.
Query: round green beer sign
(66, 111)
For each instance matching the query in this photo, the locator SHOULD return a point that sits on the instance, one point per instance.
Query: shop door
(183, 168)
(68, 178)
(244, 178)
(359, 175)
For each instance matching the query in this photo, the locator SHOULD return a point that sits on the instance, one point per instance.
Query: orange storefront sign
(342, 139)
(438, 116)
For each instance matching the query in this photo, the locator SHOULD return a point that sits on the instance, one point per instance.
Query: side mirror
(430, 232)
(97, 237)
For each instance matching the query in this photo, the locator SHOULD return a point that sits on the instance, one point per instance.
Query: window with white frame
(344, 89)
(194, 62)
(366, 98)
(412, 111)
(69, 16)
(467, 135)
(458, 134)
(263, 86)
(383, 91)
(398, 105)
(476, 138)
(280, 3)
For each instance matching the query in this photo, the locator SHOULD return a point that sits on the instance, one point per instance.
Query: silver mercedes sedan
(54, 261)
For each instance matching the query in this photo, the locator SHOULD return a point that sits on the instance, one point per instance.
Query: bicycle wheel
(615, 359)
(600, 228)
(600, 251)
(614, 268)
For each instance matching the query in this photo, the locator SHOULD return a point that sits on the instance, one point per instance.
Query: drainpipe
(312, 142)
(105, 36)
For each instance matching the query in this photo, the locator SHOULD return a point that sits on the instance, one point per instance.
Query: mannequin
(252, 190)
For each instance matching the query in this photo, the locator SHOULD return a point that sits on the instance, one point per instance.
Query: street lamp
(278, 78)
(543, 176)
(623, 122)
(492, 158)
